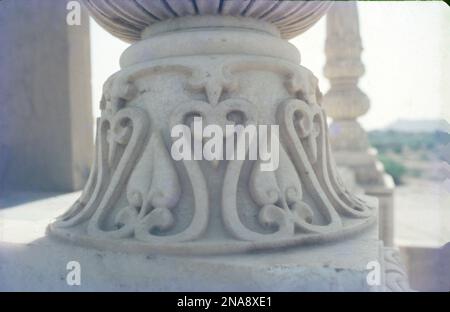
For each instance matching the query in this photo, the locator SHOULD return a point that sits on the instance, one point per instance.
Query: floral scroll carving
(119, 140)
(139, 197)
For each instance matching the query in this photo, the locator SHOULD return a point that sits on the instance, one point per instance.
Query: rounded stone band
(127, 20)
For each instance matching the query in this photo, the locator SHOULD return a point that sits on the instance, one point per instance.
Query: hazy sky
(406, 55)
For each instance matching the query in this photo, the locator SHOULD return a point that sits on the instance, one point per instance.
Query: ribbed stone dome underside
(127, 19)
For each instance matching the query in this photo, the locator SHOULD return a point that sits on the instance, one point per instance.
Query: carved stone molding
(396, 279)
(128, 19)
(140, 199)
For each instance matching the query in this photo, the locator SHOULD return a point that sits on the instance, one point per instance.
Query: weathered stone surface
(29, 261)
(43, 268)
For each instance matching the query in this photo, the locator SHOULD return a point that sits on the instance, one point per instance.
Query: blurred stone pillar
(344, 103)
(46, 133)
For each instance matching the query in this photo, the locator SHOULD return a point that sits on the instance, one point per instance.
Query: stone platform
(31, 261)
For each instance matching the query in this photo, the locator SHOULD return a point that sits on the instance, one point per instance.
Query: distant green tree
(397, 148)
(396, 141)
(394, 168)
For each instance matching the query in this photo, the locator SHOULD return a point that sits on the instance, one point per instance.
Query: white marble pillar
(227, 224)
(345, 103)
(46, 122)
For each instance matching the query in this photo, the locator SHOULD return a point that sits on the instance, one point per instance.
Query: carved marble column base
(230, 71)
